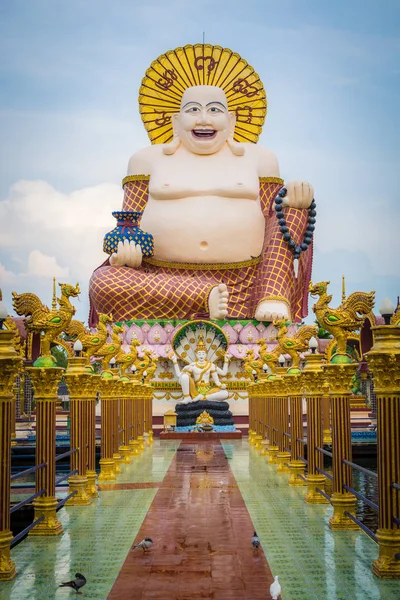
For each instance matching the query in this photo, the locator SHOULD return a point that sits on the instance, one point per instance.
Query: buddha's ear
(232, 123)
(173, 146)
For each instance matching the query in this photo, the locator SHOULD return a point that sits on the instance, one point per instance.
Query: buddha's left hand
(300, 194)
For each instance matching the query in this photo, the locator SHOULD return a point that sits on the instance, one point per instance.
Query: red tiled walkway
(201, 531)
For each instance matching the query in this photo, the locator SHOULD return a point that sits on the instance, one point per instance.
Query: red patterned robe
(161, 290)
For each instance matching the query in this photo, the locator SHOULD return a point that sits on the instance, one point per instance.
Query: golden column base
(257, 442)
(91, 488)
(134, 447)
(264, 448)
(312, 496)
(13, 442)
(7, 566)
(140, 439)
(116, 461)
(387, 566)
(342, 503)
(78, 483)
(50, 525)
(125, 454)
(327, 438)
(272, 455)
(251, 434)
(296, 468)
(107, 472)
(150, 439)
(282, 458)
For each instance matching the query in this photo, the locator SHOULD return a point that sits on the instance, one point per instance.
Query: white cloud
(41, 265)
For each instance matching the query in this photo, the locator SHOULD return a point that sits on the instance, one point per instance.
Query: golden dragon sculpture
(91, 342)
(295, 344)
(127, 359)
(40, 319)
(341, 322)
(110, 349)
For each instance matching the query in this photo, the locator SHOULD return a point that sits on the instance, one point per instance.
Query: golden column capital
(45, 381)
(10, 362)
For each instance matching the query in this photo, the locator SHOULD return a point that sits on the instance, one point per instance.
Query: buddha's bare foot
(271, 310)
(218, 302)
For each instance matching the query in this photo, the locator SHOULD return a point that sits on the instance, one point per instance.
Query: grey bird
(76, 584)
(255, 541)
(145, 544)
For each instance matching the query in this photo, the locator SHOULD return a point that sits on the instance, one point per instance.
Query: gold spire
(200, 344)
(343, 289)
(54, 300)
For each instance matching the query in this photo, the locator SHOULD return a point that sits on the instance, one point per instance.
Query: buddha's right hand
(128, 254)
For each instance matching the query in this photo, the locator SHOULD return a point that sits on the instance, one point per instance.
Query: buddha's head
(204, 123)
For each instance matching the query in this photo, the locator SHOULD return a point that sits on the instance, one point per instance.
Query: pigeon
(145, 544)
(255, 541)
(76, 584)
(275, 588)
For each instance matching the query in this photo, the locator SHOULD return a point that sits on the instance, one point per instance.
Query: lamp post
(386, 309)
(384, 361)
(9, 366)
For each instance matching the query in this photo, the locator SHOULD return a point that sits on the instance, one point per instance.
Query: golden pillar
(283, 455)
(9, 366)
(107, 383)
(326, 415)
(384, 361)
(90, 406)
(338, 376)
(149, 400)
(311, 381)
(116, 423)
(79, 382)
(45, 382)
(273, 448)
(296, 465)
(133, 443)
(126, 407)
(140, 421)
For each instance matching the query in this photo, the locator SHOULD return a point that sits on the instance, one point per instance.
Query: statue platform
(197, 436)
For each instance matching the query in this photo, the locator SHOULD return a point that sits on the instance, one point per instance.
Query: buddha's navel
(204, 245)
(165, 184)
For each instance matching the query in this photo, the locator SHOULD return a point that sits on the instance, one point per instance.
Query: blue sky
(69, 79)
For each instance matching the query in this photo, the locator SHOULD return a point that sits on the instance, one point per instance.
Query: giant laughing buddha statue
(220, 234)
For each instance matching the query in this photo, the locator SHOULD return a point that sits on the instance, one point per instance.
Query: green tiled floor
(96, 538)
(312, 562)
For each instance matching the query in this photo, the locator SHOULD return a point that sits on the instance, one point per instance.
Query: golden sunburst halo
(202, 64)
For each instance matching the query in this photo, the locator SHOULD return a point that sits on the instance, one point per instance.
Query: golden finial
(343, 289)
(200, 344)
(54, 300)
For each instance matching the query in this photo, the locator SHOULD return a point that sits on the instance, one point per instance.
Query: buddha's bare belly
(205, 229)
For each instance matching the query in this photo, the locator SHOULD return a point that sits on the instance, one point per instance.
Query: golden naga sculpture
(18, 342)
(295, 344)
(269, 357)
(91, 342)
(127, 359)
(110, 349)
(251, 363)
(147, 364)
(40, 319)
(341, 322)
(395, 319)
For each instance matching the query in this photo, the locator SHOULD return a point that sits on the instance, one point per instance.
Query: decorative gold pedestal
(7, 566)
(91, 487)
(272, 455)
(257, 442)
(312, 496)
(283, 458)
(50, 524)
(342, 503)
(296, 468)
(251, 435)
(117, 460)
(387, 566)
(140, 439)
(264, 448)
(107, 472)
(150, 438)
(134, 447)
(125, 454)
(79, 484)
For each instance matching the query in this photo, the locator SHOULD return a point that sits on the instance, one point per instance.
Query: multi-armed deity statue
(223, 230)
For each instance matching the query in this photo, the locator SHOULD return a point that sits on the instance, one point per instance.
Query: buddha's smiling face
(204, 123)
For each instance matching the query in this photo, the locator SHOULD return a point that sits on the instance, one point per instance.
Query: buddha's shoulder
(265, 159)
(142, 161)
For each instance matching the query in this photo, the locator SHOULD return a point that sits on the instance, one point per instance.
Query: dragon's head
(281, 323)
(135, 342)
(117, 329)
(104, 319)
(319, 288)
(70, 290)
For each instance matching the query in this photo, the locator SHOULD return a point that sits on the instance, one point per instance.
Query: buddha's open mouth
(206, 134)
